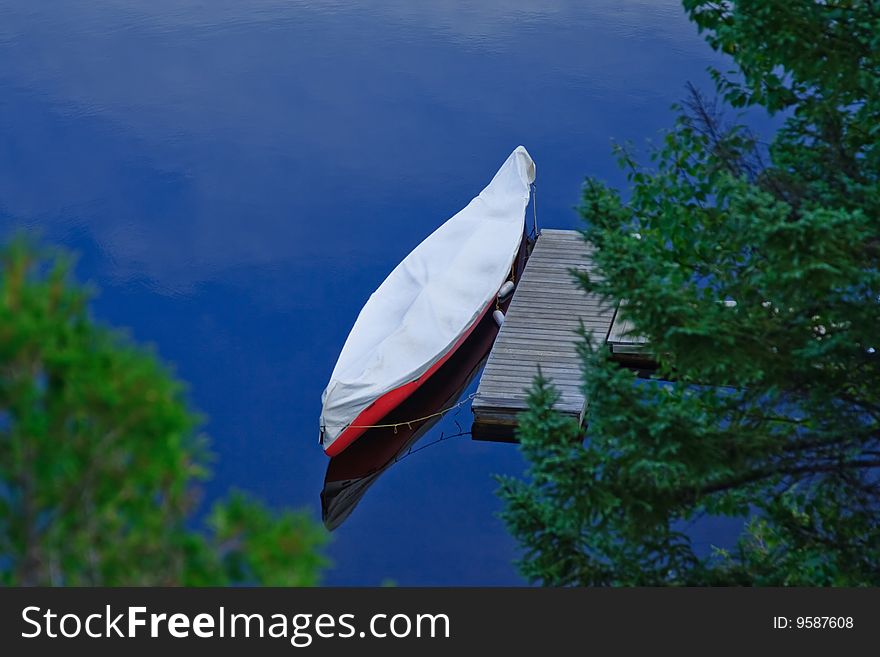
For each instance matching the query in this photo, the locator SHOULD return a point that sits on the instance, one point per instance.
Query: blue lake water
(239, 176)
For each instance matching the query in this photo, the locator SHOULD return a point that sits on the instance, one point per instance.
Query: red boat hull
(379, 409)
(373, 414)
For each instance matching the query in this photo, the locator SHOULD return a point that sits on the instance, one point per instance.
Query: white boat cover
(431, 299)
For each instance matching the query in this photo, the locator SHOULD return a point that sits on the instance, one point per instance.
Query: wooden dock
(540, 329)
(628, 348)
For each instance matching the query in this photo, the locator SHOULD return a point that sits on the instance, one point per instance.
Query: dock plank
(625, 343)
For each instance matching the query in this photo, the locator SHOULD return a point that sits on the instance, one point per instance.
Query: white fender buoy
(498, 316)
(505, 290)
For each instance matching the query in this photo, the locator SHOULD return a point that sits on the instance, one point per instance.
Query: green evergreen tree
(755, 275)
(99, 455)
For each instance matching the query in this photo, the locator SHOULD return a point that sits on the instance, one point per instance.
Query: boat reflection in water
(354, 470)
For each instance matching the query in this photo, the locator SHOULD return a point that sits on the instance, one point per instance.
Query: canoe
(350, 474)
(426, 308)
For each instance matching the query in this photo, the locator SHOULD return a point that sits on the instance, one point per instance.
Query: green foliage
(99, 454)
(755, 275)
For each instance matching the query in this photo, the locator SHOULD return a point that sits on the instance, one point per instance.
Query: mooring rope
(409, 423)
(535, 206)
(441, 439)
